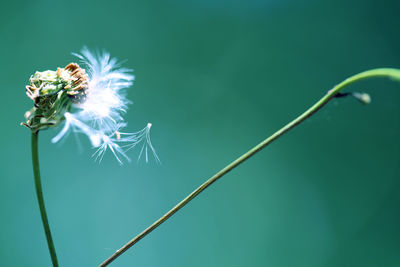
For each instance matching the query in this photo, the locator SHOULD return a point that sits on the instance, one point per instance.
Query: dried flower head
(91, 102)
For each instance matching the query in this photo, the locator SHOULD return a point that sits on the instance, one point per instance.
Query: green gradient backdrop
(214, 78)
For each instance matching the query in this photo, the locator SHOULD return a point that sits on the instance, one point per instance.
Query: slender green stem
(39, 194)
(384, 72)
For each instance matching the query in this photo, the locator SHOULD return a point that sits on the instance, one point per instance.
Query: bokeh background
(214, 78)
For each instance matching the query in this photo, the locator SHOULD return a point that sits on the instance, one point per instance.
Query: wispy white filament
(100, 115)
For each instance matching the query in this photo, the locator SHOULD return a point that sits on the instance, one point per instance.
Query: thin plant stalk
(383, 72)
(39, 194)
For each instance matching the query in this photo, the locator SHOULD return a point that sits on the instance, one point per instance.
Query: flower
(91, 103)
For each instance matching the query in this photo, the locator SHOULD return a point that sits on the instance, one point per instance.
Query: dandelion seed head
(89, 100)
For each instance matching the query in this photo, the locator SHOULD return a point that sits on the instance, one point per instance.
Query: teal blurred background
(214, 78)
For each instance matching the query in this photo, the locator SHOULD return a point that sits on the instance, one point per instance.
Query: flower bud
(52, 93)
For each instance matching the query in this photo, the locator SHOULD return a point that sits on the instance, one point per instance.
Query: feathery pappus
(88, 100)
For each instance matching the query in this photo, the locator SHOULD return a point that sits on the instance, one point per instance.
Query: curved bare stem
(383, 72)
(39, 194)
